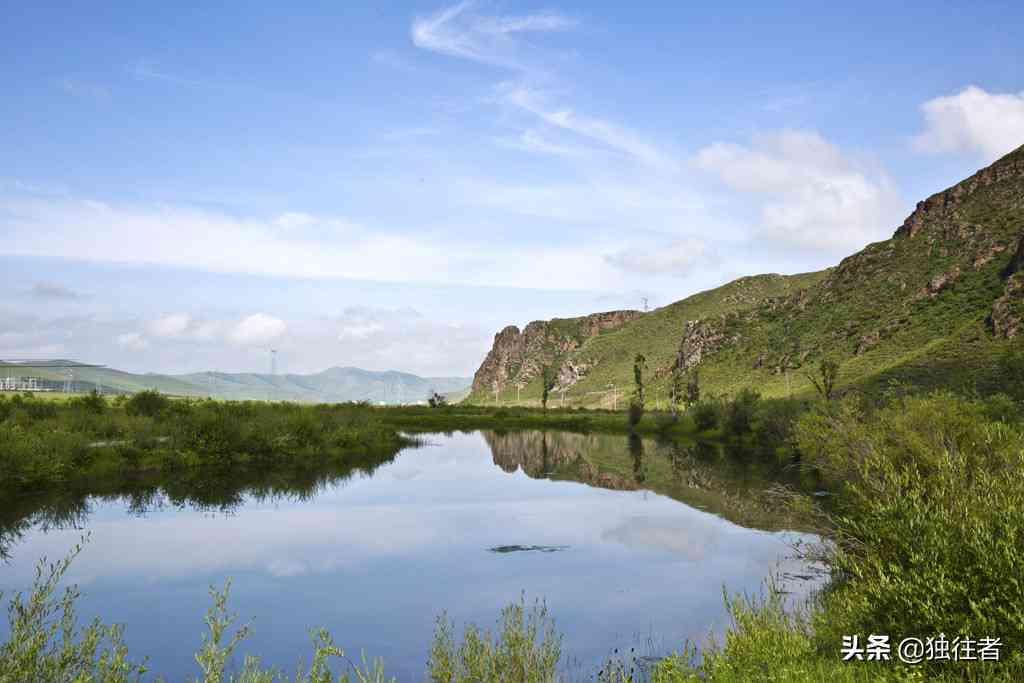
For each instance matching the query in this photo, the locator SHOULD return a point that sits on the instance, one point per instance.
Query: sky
(386, 185)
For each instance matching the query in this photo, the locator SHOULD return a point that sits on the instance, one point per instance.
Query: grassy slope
(925, 341)
(656, 335)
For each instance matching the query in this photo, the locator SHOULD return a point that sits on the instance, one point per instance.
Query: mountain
(330, 386)
(935, 305)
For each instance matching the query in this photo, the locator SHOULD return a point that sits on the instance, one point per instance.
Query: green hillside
(935, 305)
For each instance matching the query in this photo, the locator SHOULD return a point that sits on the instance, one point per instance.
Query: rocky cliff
(519, 357)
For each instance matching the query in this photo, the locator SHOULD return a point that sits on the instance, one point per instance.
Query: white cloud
(131, 340)
(329, 248)
(457, 31)
(973, 120)
(677, 258)
(258, 328)
(172, 325)
(814, 195)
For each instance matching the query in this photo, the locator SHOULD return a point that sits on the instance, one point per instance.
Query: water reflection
(592, 522)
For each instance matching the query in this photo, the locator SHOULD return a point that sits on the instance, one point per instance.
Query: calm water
(374, 558)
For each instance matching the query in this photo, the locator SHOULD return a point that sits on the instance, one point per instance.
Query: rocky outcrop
(517, 357)
(702, 338)
(1007, 317)
(937, 209)
(1016, 264)
(938, 283)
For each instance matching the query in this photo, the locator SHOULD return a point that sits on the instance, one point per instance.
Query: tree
(676, 389)
(636, 405)
(639, 365)
(547, 383)
(828, 372)
(437, 400)
(693, 389)
(740, 413)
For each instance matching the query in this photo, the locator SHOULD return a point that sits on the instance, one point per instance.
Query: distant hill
(330, 386)
(935, 305)
(333, 385)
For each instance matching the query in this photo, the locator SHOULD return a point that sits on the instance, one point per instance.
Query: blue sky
(387, 185)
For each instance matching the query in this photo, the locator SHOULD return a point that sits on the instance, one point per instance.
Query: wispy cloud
(604, 132)
(459, 31)
(84, 89)
(143, 70)
(535, 142)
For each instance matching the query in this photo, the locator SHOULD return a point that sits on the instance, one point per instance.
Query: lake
(629, 541)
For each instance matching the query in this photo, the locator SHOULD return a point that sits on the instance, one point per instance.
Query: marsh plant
(526, 648)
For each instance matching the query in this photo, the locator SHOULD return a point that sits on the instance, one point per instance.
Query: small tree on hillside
(547, 383)
(676, 390)
(437, 400)
(825, 383)
(693, 388)
(636, 405)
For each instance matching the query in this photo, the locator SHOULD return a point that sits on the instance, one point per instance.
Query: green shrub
(148, 403)
(90, 403)
(739, 413)
(929, 521)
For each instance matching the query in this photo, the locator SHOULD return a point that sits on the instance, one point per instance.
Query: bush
(739, 413)
(147, 403)
(91, 403)
(705, 415)
(929, 523)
